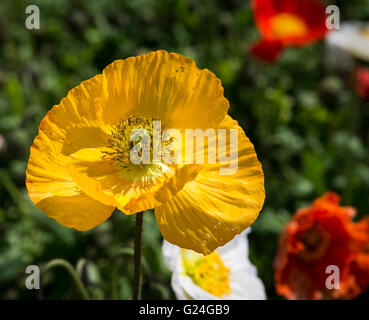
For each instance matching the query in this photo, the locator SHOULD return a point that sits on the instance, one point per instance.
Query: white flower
(353, 38)
(226, 273)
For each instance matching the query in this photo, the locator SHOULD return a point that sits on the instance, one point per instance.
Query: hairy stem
(137, 257)
(72, 272)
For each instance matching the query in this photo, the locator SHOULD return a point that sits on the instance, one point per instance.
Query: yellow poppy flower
(79, 170)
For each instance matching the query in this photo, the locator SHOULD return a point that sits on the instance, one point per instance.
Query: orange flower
(287, 23)
(359, 265)
(317, 237)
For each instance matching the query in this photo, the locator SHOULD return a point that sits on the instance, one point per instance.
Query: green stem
(67, 266)
(137, 257)
(114, 273)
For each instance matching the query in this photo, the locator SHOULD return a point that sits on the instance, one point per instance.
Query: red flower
(317, 237)
(362, 83)
(287, 23)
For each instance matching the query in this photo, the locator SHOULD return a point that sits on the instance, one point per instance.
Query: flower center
(208, 272)
(365, 33)
(288, 25)
(136, 141)
(136, 146)
(315, 242)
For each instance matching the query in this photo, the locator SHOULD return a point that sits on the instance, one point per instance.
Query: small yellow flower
(80, 168)
(208, 272)
(226, 273)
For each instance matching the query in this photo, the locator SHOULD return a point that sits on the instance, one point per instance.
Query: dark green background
(309, 128)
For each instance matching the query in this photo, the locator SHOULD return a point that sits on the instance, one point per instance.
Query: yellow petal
(212, 209)
(79, 212)
(65, 202)
(52, 189)
(102, 179)
(164, 85)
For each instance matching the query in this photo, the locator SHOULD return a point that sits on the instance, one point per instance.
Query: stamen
(121, 143)
(208, 272)
(365, 33)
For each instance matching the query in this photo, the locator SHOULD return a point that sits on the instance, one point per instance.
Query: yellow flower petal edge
(55, 193)
(212, 209)
(79, 212)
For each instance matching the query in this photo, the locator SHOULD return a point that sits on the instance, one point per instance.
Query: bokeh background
(309, 128)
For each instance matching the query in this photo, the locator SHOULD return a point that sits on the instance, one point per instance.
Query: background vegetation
(309, 128)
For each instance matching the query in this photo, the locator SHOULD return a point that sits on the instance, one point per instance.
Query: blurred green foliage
(307, 124)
